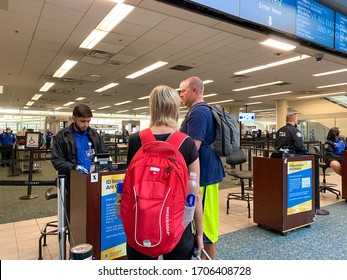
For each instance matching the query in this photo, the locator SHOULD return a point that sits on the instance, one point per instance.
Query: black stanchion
(319, 211)
(29, 195)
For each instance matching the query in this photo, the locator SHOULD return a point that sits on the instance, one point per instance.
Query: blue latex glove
(81, 169)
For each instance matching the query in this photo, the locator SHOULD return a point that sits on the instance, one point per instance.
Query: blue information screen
(278, 14)
(226, 6)
(315, 22)
(341, 32)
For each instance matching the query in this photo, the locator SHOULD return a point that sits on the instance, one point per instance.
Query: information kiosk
(284, 192)
(92, 214)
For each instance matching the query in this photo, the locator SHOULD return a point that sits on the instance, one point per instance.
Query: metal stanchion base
(322, 212)
(27, 197)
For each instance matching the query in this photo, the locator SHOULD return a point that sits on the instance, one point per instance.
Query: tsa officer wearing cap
(289, 137)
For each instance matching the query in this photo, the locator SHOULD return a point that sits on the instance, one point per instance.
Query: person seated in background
(333, 147)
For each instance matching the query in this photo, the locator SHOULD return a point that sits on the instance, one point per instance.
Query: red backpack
(153, 197)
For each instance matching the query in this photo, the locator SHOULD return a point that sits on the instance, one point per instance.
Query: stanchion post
(61, 217)
(319, 211)
(30, 178)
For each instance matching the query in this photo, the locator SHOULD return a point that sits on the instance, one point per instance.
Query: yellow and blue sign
(113, 240)
(299, 186)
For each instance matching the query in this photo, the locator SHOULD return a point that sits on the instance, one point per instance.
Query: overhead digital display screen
(315, 22)
(246, 117)
(226, 6)
(341, 32)
(278, 14)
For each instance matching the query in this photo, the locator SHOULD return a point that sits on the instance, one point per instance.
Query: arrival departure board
(226, 6)
(278, 14)
(306, 19)
(341, 32)
(315, 22)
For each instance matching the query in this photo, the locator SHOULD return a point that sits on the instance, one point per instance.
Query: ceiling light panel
(147, 69)
(122, 103)
(270, 94)
(257, 86)
(280, 44)
(111, 20)
(46, 86)
(111, 85)
(274, 64)
(66, 67)
(330, 73)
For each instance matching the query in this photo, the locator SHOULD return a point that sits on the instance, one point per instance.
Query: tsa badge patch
(298, 134)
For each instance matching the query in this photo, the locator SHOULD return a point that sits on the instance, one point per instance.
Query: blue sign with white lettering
(315, 22)
(278, 14)
(341, 32)
(226, 6)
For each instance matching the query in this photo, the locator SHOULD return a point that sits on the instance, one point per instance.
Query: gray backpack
(227, 141)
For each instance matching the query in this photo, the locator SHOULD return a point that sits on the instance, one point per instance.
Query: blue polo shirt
(7, 139)
(83, 142)
(339, 147)
(199, 125)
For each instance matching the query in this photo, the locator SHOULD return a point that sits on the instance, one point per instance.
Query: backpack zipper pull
(136, 198)
(167, 171)
(175, 161)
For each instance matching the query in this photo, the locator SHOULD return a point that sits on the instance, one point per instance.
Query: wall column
(281, 113)
(234, 110)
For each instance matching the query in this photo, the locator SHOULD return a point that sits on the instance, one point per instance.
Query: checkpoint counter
(284, 192)
(92, 214)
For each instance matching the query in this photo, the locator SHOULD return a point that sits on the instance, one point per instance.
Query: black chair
(51, 193)
(324, 186)
(242, 176)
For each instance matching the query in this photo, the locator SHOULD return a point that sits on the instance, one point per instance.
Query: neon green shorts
(210, 204)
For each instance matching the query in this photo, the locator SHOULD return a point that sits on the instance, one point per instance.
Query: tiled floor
(20, 240)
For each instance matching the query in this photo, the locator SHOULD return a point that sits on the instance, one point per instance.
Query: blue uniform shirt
(7, 139)
(339, 147)
(84, 158)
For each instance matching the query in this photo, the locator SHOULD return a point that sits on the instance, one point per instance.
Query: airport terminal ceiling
(37, 37)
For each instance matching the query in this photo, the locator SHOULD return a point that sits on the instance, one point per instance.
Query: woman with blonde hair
(164, 103)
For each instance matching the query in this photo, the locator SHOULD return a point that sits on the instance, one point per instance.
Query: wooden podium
(284, 192)
(92, 214)
(344, 174)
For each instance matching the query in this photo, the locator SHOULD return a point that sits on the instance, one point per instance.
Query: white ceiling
(37, 36)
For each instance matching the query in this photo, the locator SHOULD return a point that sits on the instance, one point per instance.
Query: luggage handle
(197, 255)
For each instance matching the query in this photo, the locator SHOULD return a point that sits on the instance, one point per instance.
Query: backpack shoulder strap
(177, 139)
(198, 105)
(146, 136)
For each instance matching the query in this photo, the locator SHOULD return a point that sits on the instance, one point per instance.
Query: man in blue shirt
(199, 125)
(7, 139)
(74, 146)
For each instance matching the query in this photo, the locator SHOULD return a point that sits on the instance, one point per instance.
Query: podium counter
(92, 214)
(284, 192)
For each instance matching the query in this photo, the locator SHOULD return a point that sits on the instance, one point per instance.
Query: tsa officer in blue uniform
(8, 139)
(289, 137)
